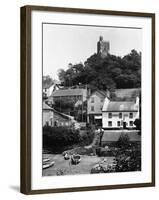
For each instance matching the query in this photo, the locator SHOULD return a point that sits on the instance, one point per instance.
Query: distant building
(126, 94)
(48, 88)
(103, 47)
(119, 114)
(70, 94)
(51, 117)
(48, 115)
(95, 105)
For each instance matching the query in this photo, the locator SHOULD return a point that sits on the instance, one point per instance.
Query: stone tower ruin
(103, 47)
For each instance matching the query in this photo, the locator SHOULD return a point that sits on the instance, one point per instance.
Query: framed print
(87, 99)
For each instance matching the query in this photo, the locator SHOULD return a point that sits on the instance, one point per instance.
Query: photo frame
(37, 34)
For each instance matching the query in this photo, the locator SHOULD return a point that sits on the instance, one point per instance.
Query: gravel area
(63, 167)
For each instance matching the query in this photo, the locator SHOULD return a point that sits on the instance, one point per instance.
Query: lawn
(64, 166)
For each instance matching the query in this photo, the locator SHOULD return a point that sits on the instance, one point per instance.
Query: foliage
(123, 141)
(137, 123)
(103, 168)
(58, 139)
(61, 172)
(105, 73)
(87, 138)
(60, 136)
(47, 80)
(129, 160)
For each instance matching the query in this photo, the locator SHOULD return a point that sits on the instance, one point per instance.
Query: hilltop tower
(103, 47)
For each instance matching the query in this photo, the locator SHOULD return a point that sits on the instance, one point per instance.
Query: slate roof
(114, 136)
(68, 92)
(127, 93)
(120, 106)
(46, 107)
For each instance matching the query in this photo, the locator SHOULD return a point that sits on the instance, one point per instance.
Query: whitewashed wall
(115, 118)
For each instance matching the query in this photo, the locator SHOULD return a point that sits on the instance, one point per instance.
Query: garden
(120, 156)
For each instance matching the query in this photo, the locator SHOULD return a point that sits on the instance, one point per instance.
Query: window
(131, 123)
(130, 115)
(92, 99)
(120, 115)
(118, 123)
(92, 108)
(109, 123)
(109, 115)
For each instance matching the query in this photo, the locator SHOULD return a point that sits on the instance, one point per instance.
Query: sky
(64, 44)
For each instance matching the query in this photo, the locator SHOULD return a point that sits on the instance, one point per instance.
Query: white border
(39, 182)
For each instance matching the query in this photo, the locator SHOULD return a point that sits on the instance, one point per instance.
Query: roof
(47, 85)
(100, 92)
(46, 107)
(68, 92)
(129, 93)
(110, 136)
(120, 106)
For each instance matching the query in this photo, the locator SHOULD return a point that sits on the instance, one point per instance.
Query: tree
(137, 123)
(47, 80)
(105, 73)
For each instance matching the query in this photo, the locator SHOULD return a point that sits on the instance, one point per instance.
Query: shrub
(137, 123)
(60, 136)
(129, 160)
(123, 141)
(87, 138)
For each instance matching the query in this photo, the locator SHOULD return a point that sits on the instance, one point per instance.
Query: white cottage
(119, 114)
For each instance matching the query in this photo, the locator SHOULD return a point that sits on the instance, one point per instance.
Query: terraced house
(70, 94)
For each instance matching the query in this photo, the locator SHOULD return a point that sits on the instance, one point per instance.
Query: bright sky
(64, 44)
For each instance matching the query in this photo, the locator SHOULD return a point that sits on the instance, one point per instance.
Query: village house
(94, 106)
(48, 115)
(48, 88)
(70, 94)
(51, 117)
(119, 114)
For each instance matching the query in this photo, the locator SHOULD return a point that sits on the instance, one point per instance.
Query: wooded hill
(104, 73)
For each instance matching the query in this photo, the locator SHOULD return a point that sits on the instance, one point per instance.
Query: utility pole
(82, 107)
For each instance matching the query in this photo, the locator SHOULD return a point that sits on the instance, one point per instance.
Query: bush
(123, 141)
(87, 138)
(137, 123)
(129, 160)
(60, 136)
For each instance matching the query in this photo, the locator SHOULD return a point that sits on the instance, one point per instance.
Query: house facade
(119, 114)
(70, 94)
(48, 115)
(94, 107)
(49, 88)
(51, 117)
